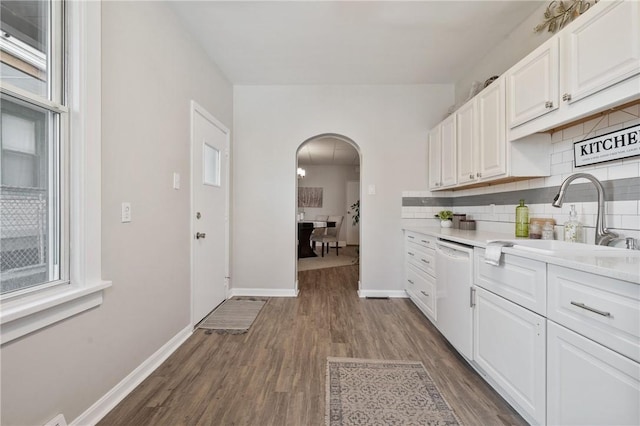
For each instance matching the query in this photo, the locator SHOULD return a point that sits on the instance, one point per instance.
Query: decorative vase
(446, 223)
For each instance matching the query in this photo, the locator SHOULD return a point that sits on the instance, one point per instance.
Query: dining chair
(330, 236)
(318, 232)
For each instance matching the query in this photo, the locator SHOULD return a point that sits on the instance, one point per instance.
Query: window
(50, 65)
(34, 120)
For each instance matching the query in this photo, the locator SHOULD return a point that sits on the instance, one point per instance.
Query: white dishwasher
(454, 263)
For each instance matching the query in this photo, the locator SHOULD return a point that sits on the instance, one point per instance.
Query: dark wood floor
(275, 373)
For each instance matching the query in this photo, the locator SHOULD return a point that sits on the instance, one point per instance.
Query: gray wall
(151, 70)
(388, 123)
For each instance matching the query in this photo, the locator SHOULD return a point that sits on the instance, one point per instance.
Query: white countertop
(615, 265)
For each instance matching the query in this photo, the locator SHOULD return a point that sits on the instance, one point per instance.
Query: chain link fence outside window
(23, 237)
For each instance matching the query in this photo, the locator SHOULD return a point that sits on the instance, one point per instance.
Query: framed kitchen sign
(616, 145)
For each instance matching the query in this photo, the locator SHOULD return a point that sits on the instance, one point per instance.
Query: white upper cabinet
(492, 143)
(597, 57)
(435, 158)
(442, 154)
(467, 140)
(532, 85)
(448, 139)
(601, 49)
(474, 149)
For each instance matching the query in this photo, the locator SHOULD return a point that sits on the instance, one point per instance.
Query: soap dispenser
(573, 227)
(522, 220)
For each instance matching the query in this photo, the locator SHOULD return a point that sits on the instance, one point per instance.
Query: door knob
(200, 235)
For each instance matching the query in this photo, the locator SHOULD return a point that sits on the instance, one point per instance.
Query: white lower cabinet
(509, 344)
(420, 282)
(589, 384)
(561, 345)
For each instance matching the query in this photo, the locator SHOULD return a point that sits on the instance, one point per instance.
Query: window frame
(83, 290)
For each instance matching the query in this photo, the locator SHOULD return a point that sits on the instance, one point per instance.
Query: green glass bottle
(522, 220)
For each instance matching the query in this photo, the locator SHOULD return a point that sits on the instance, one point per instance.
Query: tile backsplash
(494, 206)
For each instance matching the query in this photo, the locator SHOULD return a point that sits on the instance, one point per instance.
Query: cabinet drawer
(421, 239)
(422, 289)
(420, 257)
(520, 280)
(601, 308)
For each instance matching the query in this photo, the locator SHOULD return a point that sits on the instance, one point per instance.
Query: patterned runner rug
(234, 316)
(377, 392)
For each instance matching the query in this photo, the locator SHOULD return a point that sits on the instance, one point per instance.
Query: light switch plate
(126, 212)
(176, 180)
(372, 189)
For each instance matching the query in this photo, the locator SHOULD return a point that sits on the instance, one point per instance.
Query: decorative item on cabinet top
(491, 80)
(560, 13)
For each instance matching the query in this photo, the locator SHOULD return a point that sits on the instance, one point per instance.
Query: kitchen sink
(554, 247)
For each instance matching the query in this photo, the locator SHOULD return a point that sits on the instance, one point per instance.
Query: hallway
(275, 374)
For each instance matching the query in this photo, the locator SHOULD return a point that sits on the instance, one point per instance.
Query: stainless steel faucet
(603, 235)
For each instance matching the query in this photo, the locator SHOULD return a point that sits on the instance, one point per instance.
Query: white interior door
(209, 212)
(353, 195)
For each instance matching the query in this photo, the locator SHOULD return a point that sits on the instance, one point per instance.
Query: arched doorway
(327, 190)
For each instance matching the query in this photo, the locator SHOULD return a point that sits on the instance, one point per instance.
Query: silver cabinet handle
(410, 254)
(471, 176)
(479, 174)
(410, 282)
(200, 235)
(472, 298)
(566, 97)
(590, 309)
(548, 104)
(426, 241)
(410, 236)
(425, 261)
(423, 292)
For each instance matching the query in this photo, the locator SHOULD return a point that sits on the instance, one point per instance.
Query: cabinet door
(492, 130)
(601, 48)
(448, 139)
(509, 345)
(532, 85)
(588, 383)
(467, 141)
(435, 158)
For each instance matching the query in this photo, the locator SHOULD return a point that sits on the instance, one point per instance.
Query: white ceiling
(326, 151)
(349, 42)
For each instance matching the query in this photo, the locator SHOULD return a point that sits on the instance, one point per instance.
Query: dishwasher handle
(454, 250)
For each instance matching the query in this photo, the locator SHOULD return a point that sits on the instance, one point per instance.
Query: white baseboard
(101, 408)
(263, 292)
(383, 293)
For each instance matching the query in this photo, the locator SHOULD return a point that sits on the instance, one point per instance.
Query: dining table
(305, 228)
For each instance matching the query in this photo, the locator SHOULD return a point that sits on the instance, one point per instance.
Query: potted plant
(355, 207)
(446, 217)
(356, 212)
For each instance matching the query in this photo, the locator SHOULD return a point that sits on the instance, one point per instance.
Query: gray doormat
(234, 316)
(378, 392)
